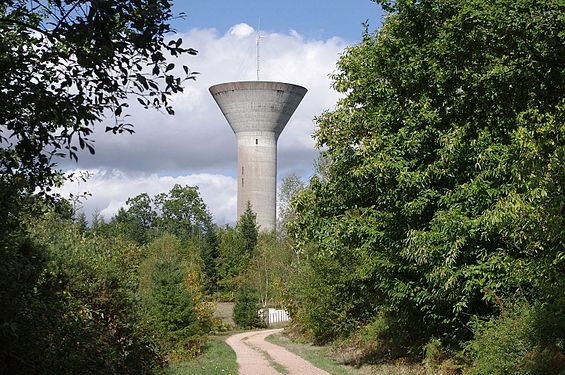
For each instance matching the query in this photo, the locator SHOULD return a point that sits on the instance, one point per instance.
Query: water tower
(257, 111)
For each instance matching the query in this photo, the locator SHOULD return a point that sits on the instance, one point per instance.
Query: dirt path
(255, 356)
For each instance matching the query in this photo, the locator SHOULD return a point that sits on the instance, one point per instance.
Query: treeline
(124, 296)
(226, 256)
(435, 227)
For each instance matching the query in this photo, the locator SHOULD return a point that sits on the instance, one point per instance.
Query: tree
(290, 186)
(66, 66)
(232, 261)
(247, 227)
(246, 308)
(210, 253)
(444, 187)
(70, 295)
(172, 305)
(136, 222)
(171, 288)
(81, 223)
(270, 267)
(141, 209)
(182, 211)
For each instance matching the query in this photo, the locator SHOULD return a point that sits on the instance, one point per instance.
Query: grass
(218, 358)
(317, 355)
(320, 357)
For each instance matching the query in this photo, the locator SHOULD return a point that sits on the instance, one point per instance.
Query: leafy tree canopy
(290, 187)
(66, 66)
(180, 211)
(183, 212)
(444, 184)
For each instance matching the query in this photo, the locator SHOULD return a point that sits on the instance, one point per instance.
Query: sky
(300, 43)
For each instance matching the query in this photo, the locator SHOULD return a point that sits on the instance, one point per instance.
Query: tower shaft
(257, 176)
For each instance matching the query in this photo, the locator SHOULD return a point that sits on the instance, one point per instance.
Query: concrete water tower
(257, 111)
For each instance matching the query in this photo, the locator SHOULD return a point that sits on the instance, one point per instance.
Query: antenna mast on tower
(258, 44)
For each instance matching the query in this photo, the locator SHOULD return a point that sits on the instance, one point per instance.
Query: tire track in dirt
(256, 356)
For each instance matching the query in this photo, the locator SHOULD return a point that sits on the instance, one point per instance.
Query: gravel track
(255, 356)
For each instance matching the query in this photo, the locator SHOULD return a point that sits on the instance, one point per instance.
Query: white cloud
(111, 189)
(196, 144)
(241, 30)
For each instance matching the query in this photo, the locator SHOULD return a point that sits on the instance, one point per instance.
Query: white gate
(275, 316)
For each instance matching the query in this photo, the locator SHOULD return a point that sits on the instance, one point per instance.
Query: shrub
(246, 308)
(78, 310)
(526, 339)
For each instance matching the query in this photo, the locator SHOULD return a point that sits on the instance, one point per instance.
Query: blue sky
(313, 19)
(301, 42)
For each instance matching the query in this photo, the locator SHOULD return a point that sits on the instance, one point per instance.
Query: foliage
(67, 65)
(182, 212)
(526, 339)
(21, 267)
(81, 223)
(69, 299)
(322, 299)
(269, 269)
(232, 262)
(70, 294)
(171, 288)
(442, 190)
(246, 308)
(171, 304)
(135, 222)
(210, 253)
(75, 297)
(247, 226)
(290, 186)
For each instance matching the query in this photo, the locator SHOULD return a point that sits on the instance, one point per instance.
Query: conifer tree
(247, 227)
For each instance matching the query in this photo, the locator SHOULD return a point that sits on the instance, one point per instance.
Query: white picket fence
(274, 316)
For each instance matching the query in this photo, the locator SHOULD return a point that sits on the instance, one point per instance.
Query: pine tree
(246, 308)
(247, 227)
(172, 305)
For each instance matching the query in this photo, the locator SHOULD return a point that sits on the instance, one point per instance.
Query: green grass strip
(316, 355)
(218, 359)
(319, 357)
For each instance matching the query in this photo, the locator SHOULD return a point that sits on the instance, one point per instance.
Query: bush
(246, 308)
(526, 339)
(78, 310)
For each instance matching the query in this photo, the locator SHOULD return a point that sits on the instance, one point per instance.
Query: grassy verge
(320, 357)
(317, 355)
(218, 358)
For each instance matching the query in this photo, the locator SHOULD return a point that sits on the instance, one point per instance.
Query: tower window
(256, 141)
(242, 182)
(242, 170)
